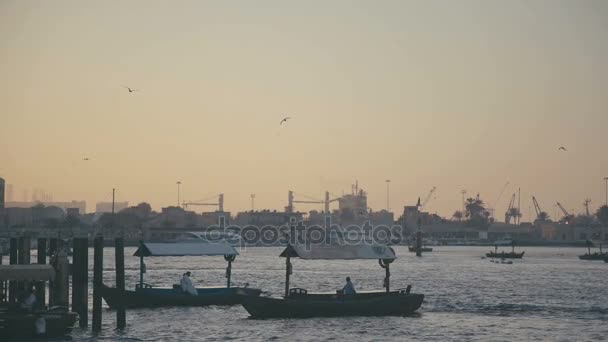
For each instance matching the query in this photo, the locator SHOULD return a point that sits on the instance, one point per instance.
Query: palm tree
(543, 216)
(602, 215)
(458, 215)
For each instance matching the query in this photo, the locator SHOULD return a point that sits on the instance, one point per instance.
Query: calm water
(548, 296)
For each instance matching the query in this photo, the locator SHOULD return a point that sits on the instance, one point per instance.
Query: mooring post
(419, 243)
(62, 279)
(119, 247)
(40, 285)
(24, 259)
(97, 281)
(13, 259)
(52, 255)
(287, 274)
(80, 280)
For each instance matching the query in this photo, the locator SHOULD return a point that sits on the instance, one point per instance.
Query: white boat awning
(345, 252)
(186, 248)
(32, 272)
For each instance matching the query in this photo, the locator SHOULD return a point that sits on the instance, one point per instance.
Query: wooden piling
(119, 247)
(419, 243)
(80, 280)
(97, 281)
(287, 274)
(13, 259)
(52, 255)
(41, 285)
(62, 279)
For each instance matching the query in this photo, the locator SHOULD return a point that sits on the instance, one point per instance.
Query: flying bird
(562, 148)
(85, 159)
(131, 90)
(284, 120)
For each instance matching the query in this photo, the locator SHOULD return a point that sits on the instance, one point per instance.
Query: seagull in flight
(131, 90)
(562, 148)
(85, 158)
(284, 120)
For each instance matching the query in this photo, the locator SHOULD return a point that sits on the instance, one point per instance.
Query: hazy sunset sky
(452, 94)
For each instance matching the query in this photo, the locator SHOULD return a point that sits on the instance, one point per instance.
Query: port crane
(491, 210)
(427, 199)
(511, 212)
(567, 216)
(291, 200)
(203, 202)
(586, 204)
(540, 215)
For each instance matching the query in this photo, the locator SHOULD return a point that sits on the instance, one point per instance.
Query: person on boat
(349, 288)
(186, 284)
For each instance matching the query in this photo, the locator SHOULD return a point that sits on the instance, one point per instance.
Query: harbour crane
(428, 198)
(203, 202)
(291, 201)
(540, 215)
(498, 198)
(567, 217)
(586, 204)
(510, 212)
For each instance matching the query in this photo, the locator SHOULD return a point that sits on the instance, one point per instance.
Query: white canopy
(186, 248)
(345, 252)
(32, 272)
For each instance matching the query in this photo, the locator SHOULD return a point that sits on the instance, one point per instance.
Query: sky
(458, 95)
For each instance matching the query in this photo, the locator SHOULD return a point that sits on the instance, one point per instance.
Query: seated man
(186, 284)
(349, 288)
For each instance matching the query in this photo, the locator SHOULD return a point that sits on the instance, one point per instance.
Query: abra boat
(146, 295)
(593, 256)
(17, 323)
(505, 255)
(298, 303)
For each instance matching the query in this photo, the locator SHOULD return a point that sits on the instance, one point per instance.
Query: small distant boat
(298, 303)
(423, 249)
(505, 255)
(593, 256)
(146, 295)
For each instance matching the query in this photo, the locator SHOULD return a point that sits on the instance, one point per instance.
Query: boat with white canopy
(298, 303)
(146, 295)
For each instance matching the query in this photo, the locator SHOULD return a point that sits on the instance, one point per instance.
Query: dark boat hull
(22, 325)
(153, 297)
(393, 304)
(505, 255)
(424, 249)
(594, 256)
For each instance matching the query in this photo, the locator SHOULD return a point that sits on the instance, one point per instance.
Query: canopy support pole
(386, 264)
(230, 259)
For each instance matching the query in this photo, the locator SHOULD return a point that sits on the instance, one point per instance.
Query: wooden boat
(146, 295)
(18, 323)
(156, 297)
(593, 256)
(297, 303)
(505, 255)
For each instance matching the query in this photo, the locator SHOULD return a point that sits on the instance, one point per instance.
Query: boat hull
(58, 323)
(157, 297)
(505, 255)
(424, 249)
(594, 256)
(380, 304)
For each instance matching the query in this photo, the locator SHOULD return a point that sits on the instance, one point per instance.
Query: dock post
(119, 248)
(287, 274)
(80, 280)
(97, 281)
(419, 243)
(52, 254)
(62, 280)
(40, 285)
(24, 259)
(12, 285)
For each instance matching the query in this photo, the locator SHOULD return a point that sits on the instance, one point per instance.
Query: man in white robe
(186, 284)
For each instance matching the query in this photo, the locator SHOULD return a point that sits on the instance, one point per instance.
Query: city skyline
(468, 98)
